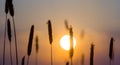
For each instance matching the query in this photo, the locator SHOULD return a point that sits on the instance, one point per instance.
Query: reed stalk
(50, 37)
(37, 49)
(92, 54)
(15, 41)
(9, 37)
(6, 12)
(4, 42)
(71, 43)
(30, 43)
(111, 49)
(23, 61)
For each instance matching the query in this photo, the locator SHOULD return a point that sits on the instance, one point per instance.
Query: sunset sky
(100, 19)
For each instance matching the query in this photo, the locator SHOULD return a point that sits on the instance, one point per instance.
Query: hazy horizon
(100, 19)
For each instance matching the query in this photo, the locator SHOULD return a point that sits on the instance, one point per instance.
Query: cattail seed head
(6, 7)
(9, 30)
(30, 40)
(11, 8)
(91, 54)
(111, 48)
(50, 31)
(37, 46)
(23, 61)
(67, 63)
(66, 25)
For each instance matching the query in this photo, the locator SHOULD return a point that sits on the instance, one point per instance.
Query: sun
(65, 42)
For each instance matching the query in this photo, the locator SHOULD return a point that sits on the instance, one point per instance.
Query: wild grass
(67, 63)
(30, 43)
(71, 43)
(50, 37)
(66, 25)
(37, 49)
(23, 60)
(92, 54)
(111, 49)
(6, 12)
(9, 37)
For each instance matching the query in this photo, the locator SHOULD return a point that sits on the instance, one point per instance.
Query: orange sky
(99, 18)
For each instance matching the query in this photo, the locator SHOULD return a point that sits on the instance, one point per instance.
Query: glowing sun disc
(65, 42)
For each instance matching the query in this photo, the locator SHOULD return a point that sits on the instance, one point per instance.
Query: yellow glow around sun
(65, 42)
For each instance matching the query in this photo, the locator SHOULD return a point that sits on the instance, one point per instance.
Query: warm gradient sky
(99, 18)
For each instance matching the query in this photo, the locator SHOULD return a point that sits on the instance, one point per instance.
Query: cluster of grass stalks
(50, 37)
(9, 8)
(71, 51)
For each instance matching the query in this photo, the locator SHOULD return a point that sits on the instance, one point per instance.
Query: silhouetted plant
(6, 12)
(9, 30)
(71, 43)
(66, 25)
(67, 63)
(9, 37)
(50, 37)
(10, 8)
(30, 42)
(92, 54)
(37, 49)
(23, 61)
(111, 49)
(82, 59)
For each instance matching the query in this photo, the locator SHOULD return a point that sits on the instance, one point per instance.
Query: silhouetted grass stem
(92, 54)
(30, 42)
(4, 42)
(15, 41)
